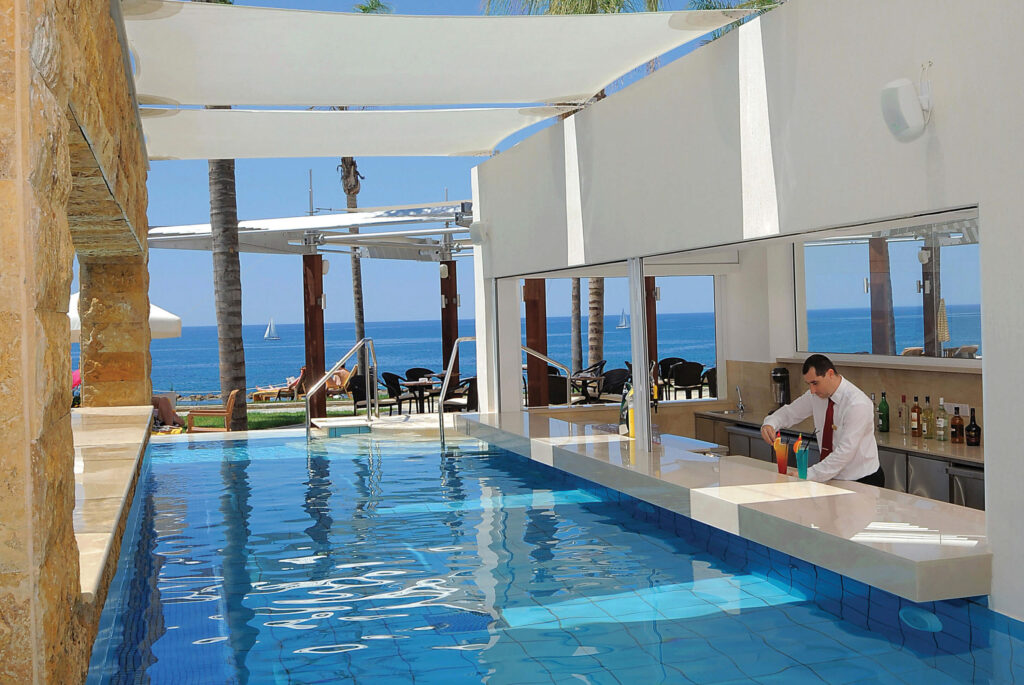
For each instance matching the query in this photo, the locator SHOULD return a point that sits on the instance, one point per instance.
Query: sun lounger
(224, 412)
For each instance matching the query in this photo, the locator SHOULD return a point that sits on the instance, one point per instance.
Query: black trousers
(877, 478)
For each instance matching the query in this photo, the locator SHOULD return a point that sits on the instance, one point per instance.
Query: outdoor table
(420, 388)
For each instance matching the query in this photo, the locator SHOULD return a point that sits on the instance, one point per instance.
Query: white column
(509, 340)
(638, 342)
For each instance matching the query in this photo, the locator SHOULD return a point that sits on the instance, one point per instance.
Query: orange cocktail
(781, 454)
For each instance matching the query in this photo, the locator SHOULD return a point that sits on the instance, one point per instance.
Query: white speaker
(902, 110)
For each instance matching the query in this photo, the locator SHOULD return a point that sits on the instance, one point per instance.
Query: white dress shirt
(854, 451)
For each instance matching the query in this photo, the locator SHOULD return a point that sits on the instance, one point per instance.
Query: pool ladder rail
(527, 350)
(369, 373)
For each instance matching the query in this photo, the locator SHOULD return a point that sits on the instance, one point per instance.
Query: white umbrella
(162, 324)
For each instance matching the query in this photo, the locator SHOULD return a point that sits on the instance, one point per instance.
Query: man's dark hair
(820, 363)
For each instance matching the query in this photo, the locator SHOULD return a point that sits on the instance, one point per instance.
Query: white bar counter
(913, 547)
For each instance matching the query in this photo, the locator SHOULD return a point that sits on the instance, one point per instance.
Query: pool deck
(919, 549)
(109, 444)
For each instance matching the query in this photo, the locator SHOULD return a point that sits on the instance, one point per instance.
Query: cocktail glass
(801, 463)
(781, 456)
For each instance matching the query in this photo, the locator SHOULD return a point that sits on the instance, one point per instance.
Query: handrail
(370, 374)
(447, 378)
(557, 365)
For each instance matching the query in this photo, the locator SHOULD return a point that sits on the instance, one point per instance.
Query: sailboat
(623, 320)
(271, 333)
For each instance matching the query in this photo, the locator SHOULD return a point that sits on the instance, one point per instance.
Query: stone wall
(59, 62)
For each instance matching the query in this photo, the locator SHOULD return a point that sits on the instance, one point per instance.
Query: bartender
(844, 421)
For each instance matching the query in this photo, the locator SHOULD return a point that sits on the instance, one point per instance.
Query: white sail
(271, 333)
(623, 320)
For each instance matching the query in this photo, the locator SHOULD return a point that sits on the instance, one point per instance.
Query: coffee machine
(780, 385)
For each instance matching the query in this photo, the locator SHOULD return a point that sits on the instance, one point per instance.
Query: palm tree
(350, 183)
(595, 302)
(761, 6)
(227, 280)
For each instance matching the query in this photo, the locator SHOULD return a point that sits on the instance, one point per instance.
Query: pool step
(336, 426)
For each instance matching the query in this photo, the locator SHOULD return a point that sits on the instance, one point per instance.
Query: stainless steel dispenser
(780, 385)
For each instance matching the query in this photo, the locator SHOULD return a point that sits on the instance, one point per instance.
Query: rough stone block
(11, 267)
(15, 639)
(113, 367)
(12, 404)
(117, 394)
(52, 380)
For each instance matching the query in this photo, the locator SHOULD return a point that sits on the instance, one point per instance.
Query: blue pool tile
(709, 668)
(812, 645)
(795, 675)
(855, 587)
(929, 677)
(845, 671)
(855, 617)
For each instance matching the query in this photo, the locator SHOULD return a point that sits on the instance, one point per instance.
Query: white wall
(660, 167)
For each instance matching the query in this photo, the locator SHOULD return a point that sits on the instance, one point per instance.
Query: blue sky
(182, 281)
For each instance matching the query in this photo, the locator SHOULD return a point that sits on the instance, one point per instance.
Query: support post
(930, 297)
(313, 318)
(883, 323)
(536, 338)
(449, 314)
(651, 305)
(638, 343)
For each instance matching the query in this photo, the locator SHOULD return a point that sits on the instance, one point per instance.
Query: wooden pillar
(537, 339)
(930, 297)
(449, 315)
(652, 322)
(883, 323)
(313, 317)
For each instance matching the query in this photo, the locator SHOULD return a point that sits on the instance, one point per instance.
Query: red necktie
(826, 431)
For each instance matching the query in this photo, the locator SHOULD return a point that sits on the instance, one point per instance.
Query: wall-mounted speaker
(902, 110)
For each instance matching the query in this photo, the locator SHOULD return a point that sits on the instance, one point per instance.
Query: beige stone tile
(93, 549)
(98, 515)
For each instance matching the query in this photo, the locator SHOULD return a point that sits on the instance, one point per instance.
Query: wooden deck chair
(225, 413)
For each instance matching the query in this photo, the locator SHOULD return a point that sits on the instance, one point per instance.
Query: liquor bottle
(874, 407)
(956, 427)
(883, 415)
(973, 432)
(941, 422)
(927, 419)
(915, 419)
(903, 416)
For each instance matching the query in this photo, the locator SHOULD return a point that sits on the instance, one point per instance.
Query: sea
(188, 365)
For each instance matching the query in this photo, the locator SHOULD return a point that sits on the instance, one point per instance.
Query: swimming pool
(374, 561)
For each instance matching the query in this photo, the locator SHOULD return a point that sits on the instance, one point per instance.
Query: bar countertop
(916, 548)
(974, 456)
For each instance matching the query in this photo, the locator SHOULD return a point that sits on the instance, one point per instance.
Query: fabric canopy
(237, 134)
(162, 324)
(193, 53)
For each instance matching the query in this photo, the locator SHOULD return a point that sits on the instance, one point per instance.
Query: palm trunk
(595, 321)
(575, 345)
(227, 284)
(350, 183)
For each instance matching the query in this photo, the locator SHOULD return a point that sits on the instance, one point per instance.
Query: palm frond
(373, 7)
(760, 7)
(569, 6)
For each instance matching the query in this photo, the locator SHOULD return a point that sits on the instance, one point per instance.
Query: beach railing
(369, 373)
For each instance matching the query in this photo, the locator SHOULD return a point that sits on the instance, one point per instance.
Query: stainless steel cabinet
(927, 477)
(968, 486)
(894, 464)
(748, 442)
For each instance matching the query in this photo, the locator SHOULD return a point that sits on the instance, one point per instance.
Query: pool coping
(948, 559)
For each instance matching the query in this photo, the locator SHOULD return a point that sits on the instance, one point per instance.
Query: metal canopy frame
(329, 233)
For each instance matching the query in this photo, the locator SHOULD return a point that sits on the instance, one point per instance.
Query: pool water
(371, 561)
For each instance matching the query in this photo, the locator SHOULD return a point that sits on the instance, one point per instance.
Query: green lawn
(262, 420)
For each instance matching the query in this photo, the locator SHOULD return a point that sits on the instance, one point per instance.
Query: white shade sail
(237, 134)
(162, 324)
(192, 53)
